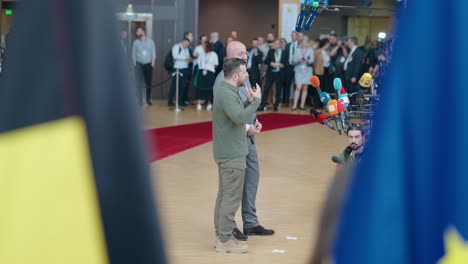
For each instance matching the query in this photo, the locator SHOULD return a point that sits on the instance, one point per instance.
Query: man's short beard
(355, 146)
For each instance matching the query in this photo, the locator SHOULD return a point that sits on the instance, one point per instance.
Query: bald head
(236, 49)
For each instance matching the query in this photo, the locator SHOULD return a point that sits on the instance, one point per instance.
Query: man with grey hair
(252, 175)
(218, 49)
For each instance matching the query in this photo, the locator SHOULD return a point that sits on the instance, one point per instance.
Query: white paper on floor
(278, 251)
(291, 238)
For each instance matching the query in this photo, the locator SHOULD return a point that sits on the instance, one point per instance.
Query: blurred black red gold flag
(75, 185)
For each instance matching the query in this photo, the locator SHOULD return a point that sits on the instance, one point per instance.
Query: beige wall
(279, 10)
(362, 27)
(250, 18)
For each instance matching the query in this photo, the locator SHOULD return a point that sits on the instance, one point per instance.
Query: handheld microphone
(332, 107)
(324, 98)
(365, 81)
(333, 111)
(337, 84)
(321, 118)
(345, 110)
(315, 81)
(341, 108)
(344, 99)
(343, 114)
(301, 18)
(337, 160)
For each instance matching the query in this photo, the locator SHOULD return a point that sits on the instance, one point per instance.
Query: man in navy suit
(353, 67)
(254, 62)
(276, 61)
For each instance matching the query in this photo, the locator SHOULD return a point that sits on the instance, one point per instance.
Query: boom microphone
(315, 81)
(310, 19)
(301, 18)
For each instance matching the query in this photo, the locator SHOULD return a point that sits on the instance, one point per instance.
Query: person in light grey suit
(251, 226)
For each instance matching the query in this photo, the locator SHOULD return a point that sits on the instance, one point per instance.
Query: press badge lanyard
(277, 59)
(276, 56)
(144, 51)
(206, 59)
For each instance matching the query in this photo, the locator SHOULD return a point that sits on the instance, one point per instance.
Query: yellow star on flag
(456, 249)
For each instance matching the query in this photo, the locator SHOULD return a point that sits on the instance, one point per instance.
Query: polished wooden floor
(295, 170)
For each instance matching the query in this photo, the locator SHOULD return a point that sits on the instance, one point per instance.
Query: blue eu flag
(408, 199)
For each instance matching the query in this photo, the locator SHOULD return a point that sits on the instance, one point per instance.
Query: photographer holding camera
(338, 53)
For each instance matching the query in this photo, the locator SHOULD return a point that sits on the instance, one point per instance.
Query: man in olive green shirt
(230, 115)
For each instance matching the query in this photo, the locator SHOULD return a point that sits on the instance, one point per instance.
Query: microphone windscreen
(324, 98)
(341, 107)
(321, 117)
(315, 81)
(332, 107)
(337, 84)
(314, 112)
(365, 80)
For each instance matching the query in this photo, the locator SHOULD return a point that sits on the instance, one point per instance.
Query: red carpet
(168, 141)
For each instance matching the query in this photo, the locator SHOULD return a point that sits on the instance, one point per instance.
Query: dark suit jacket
(288, 55)
(218, 48)
(126, 51)
(271, 58)
(254, 71)
(354, 68)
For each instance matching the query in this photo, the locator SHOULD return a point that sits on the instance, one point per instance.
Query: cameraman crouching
(353, 152)
(337, 192)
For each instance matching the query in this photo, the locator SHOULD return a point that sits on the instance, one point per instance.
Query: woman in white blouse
(303, 58)
(199, 50)
(207, 62)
